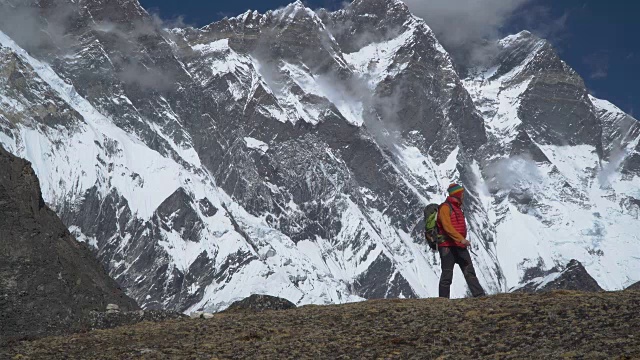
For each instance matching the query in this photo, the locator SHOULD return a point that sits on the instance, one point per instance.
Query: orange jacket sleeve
(445, 220)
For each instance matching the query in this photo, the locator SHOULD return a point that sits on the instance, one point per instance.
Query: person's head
(456, 191)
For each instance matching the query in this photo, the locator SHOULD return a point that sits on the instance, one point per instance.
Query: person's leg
(463, 259)
(448, 262)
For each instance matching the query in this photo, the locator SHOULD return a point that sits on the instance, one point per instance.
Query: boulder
(196, 314)
(113, 308)
(201, 315)
(259, 303)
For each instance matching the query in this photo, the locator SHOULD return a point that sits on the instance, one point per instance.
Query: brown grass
(561, 324)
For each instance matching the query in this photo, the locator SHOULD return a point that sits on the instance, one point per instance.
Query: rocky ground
(560, 324)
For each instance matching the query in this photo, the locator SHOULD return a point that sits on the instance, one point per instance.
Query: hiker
(453, 250)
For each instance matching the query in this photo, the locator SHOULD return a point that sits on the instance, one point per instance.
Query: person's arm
(445, 219)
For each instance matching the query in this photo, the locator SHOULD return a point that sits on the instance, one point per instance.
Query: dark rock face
(573, 277)
(524, 146)
(176, 213)
(378, 282)
(381, 19)
(257, 303)
(557, 103)
(413, 98)
(49, 281)
(619, 132)
(635, 286)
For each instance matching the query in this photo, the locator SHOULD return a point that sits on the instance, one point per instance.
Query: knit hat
(455, 190)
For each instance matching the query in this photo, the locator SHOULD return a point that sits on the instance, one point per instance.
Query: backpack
(431, 232)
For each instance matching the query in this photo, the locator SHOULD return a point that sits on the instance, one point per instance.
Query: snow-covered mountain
(561, 167)
(290, 153)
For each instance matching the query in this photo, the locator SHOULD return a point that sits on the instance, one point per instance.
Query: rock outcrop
(635, 286)
(259, 303)
(573, 277)
(49, 282)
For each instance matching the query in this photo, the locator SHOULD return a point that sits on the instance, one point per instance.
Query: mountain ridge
(312, 161)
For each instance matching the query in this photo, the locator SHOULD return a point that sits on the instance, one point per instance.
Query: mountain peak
(298, 4)
(379, 7)
(295, 10)
(364, 22)
(249, 14)
(524, 36)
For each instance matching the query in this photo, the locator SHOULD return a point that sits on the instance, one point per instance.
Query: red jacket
(451, 223)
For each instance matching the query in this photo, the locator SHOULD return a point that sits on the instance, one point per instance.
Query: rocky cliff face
(49, 282)
(635, 286)
(573, 277)
(291, 152)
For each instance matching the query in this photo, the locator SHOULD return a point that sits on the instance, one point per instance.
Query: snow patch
(256, 144)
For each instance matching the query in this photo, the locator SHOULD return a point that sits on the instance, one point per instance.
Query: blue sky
(598, 38)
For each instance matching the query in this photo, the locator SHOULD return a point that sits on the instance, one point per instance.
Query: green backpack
(431, 233)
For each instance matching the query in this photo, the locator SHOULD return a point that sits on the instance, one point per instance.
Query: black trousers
(449, 257)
